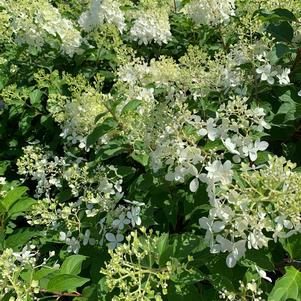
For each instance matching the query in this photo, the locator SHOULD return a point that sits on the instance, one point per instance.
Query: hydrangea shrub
(150, 150)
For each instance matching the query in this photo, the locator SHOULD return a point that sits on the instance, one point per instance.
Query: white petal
(230, 146)
(194, 185)
(202, 132)
(116, 222)
(215, 249)
(110, 237)
(204, 223)
(126, 221)
(112, 245)
(253, 155)
(119, 237)
(230, 260)
(225, 244)
(218, 227)
(263, 274)
(262, 145)
(63, 236)
(138, 220)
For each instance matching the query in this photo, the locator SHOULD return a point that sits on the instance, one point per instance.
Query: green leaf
(288, 286)
(284, 14)
(278, 51)
(170, 209)
(99, 116)
(43, 272)
(216, 145)
(35, 97)
(278, 14)
(4, 166)
(20, 237)
(114, 147)
(72, 264)
(183, 293)
(109, 124)
(89, 294)
(164, 249)
(12, 196)
(187, 244)
(292, 246)
(64, 282)
(21, 205)
(140, 158)
(131, 106)
(163, 243)
(282, 32)
(262, 259)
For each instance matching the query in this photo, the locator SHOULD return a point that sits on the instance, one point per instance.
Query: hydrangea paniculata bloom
(102, 11)
(151, 26)
(210, 12)
(265, 205)
(39, 23)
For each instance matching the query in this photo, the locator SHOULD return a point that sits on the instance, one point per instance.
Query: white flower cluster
(161, 73)
(168, 142)
(250, 289)
(13, 265)
(98, 188)
(76, 114)
(102, 11)
(234, 125)
(97, 191)
(116, 220)
(42, 167)
(267, 72)
(151, 26)
(202, 74)
(210, 12)
(40, 23)
(79, 119)
(124, 216)
(263, 205)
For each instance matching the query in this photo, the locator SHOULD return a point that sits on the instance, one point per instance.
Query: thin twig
(297, 60)
(59, 294)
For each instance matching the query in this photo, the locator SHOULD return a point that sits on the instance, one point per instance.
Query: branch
(59, 294)
(297, 60)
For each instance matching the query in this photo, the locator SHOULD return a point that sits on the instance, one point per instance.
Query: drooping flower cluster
(236, 125)
(249, 213)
